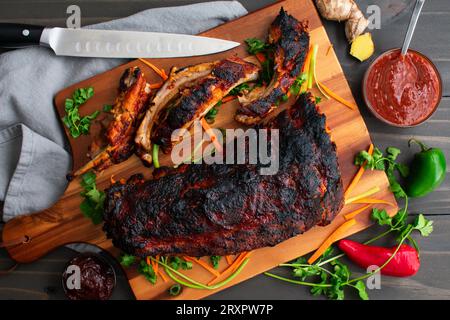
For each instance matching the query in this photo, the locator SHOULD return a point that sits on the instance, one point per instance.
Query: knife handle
(13, 35)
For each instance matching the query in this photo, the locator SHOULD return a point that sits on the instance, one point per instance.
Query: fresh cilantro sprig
(176, 263)
(93, 203)
(147, 271)
(77, 124)
(127, 260)
(215, 261)
(296, 86)
(255, 45)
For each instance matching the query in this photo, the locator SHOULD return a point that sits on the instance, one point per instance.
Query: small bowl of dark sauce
(88, 276)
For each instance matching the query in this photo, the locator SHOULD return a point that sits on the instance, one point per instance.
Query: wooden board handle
(50, 229)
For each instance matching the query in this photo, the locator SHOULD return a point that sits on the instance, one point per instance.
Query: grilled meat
(129, 108)
(195, 102)
(224, 209)
(177, 81)
(290, 41)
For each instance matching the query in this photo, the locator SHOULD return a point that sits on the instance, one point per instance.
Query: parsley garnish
(93, 203)
(296, 86)
(107, 107)
(147, 271)
(215, 261)
(76, 124)
(255, 45)
(127, 260)
(177, 263)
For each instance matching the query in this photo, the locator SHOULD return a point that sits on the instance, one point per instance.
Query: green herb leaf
(107, 107)
(127, 260)
(76, 124)
(147, 271)
(177, 263)
(255, 45)
(93, 204)
(423, 225)
(215, 261)
(361, 287)
(381, 217)
(296, 86)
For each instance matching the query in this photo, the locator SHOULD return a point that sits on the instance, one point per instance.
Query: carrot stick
(156, 85)
(228, 98)
(203, 264)
(261, 57)
(156, 264)
(159, 71)
(336, 96)
(358, 174)
(337, 234)
(363, 195)
(353, 214)
(211, 134)
(231, 268)
(373, 201)
(163, 276)
(229, 260)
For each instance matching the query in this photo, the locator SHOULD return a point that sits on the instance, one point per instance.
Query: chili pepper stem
(422, 145)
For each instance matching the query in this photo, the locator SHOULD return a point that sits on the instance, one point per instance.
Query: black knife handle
(13, 35)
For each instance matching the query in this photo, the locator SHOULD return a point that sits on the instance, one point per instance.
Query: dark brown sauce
(97, 278)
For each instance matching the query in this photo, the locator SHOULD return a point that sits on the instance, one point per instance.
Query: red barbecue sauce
(403, 90)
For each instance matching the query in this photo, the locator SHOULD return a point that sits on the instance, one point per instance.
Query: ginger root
(362, 47)
(344, 10)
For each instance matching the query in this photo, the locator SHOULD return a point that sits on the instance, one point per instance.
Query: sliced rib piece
(178, 80)
(129, 108)
(222, 209)
(195, 102)
(290, 41)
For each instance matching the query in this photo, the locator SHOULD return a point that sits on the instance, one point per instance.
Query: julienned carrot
(228, 98)
(229, 259)
(261, 57)
(211, 134)
(156, 264)
(336, 96)
(232, 267)
(156, 85)
(161, 273)
(203, 264)
(358, 174)
(337, 234)
(159, 71)
(353, 214)
(369, 192)
(373, 201)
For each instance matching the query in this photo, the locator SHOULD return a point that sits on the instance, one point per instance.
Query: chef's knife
(110, 44)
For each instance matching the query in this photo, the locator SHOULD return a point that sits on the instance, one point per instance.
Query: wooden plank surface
(436, 253)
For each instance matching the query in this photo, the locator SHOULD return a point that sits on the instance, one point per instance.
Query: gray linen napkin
(33, 155)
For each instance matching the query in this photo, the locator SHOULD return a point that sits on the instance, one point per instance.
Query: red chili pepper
(404, 264)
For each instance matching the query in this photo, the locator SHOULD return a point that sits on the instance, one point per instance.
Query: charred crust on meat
(223, 209)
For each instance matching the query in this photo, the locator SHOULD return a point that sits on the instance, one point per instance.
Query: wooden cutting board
(64, 223)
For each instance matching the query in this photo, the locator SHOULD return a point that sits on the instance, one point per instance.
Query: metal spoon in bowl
(412, 25)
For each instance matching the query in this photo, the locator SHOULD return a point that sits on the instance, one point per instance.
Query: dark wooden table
(42, 279)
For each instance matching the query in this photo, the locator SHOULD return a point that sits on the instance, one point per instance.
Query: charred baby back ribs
(129, 108)
(195, 101)
(221, 209)
(289, 40)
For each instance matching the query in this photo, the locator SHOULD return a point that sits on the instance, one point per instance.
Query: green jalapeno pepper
(427, 170)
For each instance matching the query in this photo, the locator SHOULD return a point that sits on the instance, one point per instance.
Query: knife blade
(109, 43)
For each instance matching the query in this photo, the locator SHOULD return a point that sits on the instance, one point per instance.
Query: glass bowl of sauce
(403, 91)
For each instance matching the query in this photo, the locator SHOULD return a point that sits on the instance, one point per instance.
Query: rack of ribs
(289, 40)
(221, 209)
(128, 110)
